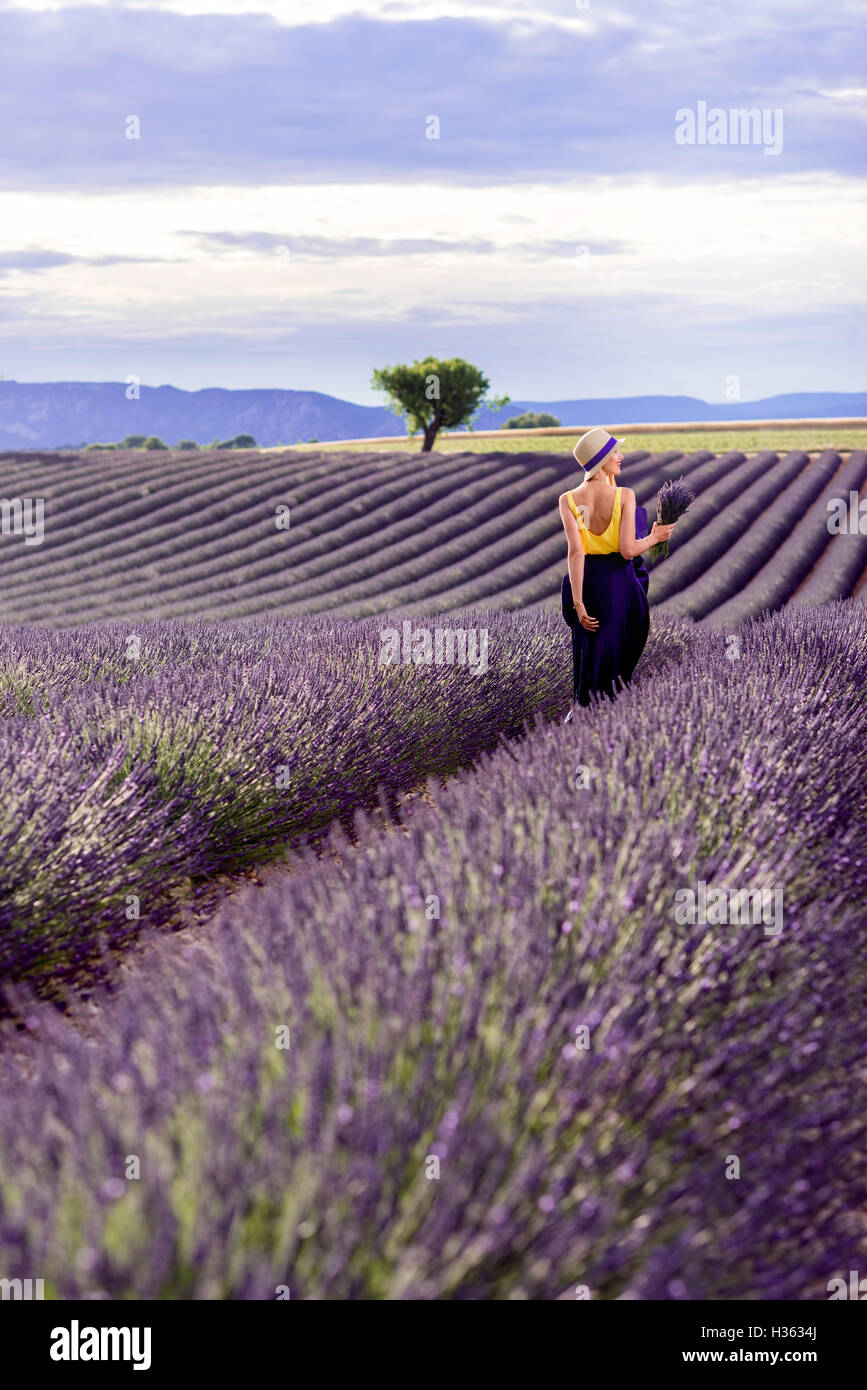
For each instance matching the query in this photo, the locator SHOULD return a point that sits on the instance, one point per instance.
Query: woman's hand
(660, 533)
(591, 624)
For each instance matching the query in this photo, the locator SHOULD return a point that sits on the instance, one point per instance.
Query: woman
(607, 533)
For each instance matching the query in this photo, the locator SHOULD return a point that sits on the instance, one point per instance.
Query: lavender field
(137, 536)
(470, 1050)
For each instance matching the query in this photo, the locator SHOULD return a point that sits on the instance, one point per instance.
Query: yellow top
(609, 540)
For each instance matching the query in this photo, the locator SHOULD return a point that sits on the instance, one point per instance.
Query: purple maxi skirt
(615, 592)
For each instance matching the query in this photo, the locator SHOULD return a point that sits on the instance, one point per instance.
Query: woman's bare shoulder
(628, 494)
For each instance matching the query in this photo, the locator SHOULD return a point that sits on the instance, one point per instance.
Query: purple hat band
(597, 458)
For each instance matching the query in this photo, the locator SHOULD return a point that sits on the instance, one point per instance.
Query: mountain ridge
(63, 414)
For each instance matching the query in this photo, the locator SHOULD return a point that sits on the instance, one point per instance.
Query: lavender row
(842, 565)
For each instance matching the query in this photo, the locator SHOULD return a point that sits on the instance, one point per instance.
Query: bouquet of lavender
(673, 499)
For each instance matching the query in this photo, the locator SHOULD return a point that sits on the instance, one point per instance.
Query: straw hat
(593, 448)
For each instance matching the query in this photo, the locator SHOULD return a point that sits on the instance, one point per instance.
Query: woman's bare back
(596, 506)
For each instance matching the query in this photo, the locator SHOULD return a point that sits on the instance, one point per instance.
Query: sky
(290, 193)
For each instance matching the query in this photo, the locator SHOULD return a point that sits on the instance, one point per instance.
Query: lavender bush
(430, 1126)
(214, 747)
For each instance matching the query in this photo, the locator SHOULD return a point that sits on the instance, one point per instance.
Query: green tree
(240, 441)
(433, 394)
(187, 444)
(529, 421)
(133, 441)
(154, 442)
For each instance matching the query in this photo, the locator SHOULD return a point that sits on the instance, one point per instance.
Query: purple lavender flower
(673, 499)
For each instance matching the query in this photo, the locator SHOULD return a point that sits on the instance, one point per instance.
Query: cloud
(36, 258)
(33, 258)
(241, 99)
(297, 13)
(332, 248)
(360, 254)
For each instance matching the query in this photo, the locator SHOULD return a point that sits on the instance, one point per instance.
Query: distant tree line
(152, 441)
(529, 421)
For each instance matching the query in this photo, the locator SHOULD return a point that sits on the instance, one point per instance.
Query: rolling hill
(138, 535)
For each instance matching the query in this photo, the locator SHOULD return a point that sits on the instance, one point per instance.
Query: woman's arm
(576, 564)
(630, 547)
